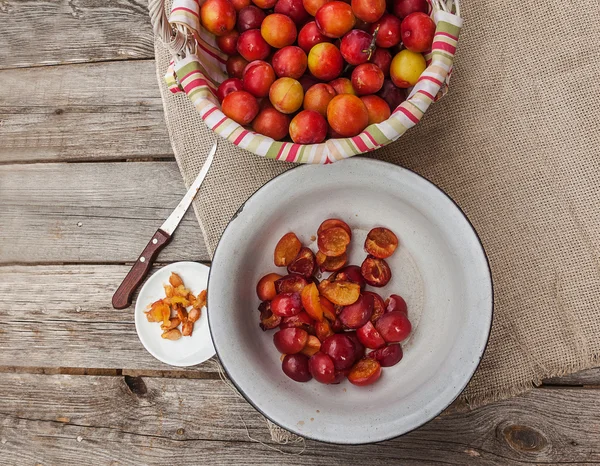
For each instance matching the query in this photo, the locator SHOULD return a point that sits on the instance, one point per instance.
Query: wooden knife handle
(122, 297)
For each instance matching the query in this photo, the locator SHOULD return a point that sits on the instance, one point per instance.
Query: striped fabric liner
(199, 74)
(186, 13)
(171, 79)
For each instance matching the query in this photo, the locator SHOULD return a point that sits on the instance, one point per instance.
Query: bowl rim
(480, 357)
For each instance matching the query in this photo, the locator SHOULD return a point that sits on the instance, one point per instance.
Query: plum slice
(311, 301)
(394, 326)
(321, 368)
(370, 337)
(376, 272)
(340, 293)
(351, 273)
(265, 289)
(396, 303)
(290, 340)
(334, 222)
(286, 304)
(387, 356)
(357, 314)
(268, 320)
(295, 366)
(381, 243)
(365, 372)
(286, 250)
(378, 306)
(292, 283)
(331, 264)
(333, 241)
(341, 351)
(303, 264)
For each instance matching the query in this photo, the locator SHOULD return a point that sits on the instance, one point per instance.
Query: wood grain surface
(44, 32)
(139, 420)
(86, 176)
(92, 212)
(88, 112)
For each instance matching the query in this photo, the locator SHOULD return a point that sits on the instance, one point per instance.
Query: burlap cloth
(516, 143)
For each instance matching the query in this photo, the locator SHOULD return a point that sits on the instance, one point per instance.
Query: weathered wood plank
(61, 317)
(98, 111)
(86, 420)
(93, 212)
(37, 32)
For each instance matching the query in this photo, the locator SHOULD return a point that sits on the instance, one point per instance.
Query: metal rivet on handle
(142, 259)
(154, 241)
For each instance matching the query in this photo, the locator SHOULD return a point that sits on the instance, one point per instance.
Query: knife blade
(122, 297)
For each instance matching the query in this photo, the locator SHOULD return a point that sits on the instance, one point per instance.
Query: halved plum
(351, 273)
(286, 304)
(286, 250)
(381, 243)
(303, 264)
(301, 320)
(321, 368)
(291, 283)
(329, 263)
(359, 348)
(340, 376)
(394, 326)
(340, 293)
(396, 303)
(328, 308)
(295, 366)
(340, 349)
(290, 340)
(268, 320)
(365, 372)
(334, 222)
(323, 330)
(378, 306)
(311, 302)
(387, 356)
(370, 337)
(333, 241)
(265, 289)
(357, 314)
(337, 325)
(313, 345)
(376, 272)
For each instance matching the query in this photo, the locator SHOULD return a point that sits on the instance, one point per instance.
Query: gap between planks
(176, 373)
(78, 62)
(83, 159)
(107, 372)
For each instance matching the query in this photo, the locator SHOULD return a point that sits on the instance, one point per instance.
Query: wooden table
(86, 176)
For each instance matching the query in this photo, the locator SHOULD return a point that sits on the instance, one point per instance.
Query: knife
(122, 297)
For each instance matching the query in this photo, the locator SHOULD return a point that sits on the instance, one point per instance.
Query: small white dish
(187, 351)
(440, 268)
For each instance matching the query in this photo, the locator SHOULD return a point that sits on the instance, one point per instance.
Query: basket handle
(173, 38)
(447, 6)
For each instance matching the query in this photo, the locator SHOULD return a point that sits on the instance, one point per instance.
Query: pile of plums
(324, 327)
(317, 69)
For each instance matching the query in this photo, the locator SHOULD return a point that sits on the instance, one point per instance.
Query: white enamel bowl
(440, 268)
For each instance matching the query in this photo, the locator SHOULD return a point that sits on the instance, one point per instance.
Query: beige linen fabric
(516, 143)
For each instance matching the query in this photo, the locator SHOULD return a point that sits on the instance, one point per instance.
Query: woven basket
(198, 67)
